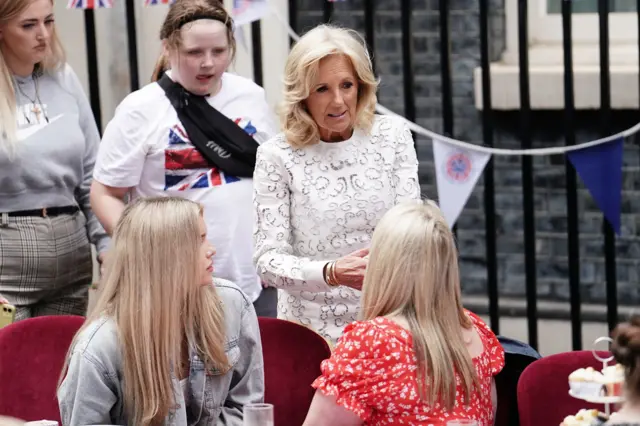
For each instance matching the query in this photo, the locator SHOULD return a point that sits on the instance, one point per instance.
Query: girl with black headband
(193, 133)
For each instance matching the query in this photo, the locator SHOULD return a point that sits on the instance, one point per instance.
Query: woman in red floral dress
(417, 357)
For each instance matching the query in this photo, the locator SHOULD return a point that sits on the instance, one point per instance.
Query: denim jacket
(92, 392)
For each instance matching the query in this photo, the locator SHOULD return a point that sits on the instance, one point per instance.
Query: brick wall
(549, 172)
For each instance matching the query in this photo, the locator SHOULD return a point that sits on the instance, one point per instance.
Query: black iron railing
(525, 136)
(488, 133)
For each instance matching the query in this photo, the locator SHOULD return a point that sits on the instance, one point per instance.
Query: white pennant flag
(457, 172)
(240, 37)
(247, 11)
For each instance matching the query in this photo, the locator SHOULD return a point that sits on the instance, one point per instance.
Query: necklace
(36, 103)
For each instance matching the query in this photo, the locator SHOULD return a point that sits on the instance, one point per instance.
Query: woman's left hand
(3, 301)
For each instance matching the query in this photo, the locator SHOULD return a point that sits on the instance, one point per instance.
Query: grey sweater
(53, 165)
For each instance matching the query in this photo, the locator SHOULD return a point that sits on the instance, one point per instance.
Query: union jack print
(240, 6)
(89, 4)
(185, 168)
(245, 124)
(157, 2)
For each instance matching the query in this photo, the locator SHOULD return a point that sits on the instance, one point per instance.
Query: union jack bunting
(89, 4)
(157, 2)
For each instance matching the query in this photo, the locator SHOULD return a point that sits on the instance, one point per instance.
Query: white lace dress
(319, 203)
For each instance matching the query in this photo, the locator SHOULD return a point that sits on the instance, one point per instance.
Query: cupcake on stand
(596, 386)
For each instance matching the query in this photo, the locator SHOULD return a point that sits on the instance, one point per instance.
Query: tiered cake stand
(606, 400)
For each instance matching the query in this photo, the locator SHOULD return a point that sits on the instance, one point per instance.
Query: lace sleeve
(275, 261)
(405, 181)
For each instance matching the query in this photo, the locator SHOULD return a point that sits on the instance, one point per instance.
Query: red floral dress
(372, 372)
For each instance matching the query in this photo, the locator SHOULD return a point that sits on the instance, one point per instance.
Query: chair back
(32, 353)
(292, 356)
(517, 356)
(543, 389)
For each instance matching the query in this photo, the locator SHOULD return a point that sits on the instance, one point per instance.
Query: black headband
(184, 21)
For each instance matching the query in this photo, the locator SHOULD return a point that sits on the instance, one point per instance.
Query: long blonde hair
(413, 273)
(300, 73)
(151, 291)
(10, 10)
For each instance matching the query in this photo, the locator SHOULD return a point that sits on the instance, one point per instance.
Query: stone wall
(549, 172)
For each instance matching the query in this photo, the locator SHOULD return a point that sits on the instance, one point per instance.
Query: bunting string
(460, 164)
(560, 150)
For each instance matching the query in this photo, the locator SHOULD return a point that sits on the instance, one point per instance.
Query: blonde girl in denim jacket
(165, 344)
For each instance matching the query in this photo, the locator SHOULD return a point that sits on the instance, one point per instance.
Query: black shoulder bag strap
(220, 141)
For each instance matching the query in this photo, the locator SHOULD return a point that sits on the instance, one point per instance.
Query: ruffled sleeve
(358, 372)
(491, 344)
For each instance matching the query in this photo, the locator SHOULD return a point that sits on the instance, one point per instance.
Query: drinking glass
(462, 422)
(258, 415)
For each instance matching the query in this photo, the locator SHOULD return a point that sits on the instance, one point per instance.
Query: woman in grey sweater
(48, 143)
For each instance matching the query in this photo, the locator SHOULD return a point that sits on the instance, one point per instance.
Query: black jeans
(266, 304)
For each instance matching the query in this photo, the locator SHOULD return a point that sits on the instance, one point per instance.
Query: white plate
(599, 399)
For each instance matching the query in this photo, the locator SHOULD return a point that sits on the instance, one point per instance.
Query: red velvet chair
(292, 357)
(32, 354)
(543, 388)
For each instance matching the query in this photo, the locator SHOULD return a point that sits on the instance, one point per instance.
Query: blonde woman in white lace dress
(322, 185)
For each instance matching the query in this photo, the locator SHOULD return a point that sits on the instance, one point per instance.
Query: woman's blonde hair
(301, 71)
(413, 273)
(10, 10)
(152, 292)
(182, 11)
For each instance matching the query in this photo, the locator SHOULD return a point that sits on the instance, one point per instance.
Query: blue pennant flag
(600, 168)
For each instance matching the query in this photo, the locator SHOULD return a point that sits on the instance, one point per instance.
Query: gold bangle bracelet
(325, 272)
(333, 279)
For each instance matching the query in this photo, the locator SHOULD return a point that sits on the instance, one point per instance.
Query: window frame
(546, 61)
(545, 36)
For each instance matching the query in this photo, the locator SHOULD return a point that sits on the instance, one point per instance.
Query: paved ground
(554, 330)
(554, 336)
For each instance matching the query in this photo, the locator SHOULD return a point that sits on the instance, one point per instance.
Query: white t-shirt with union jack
(146, 148)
